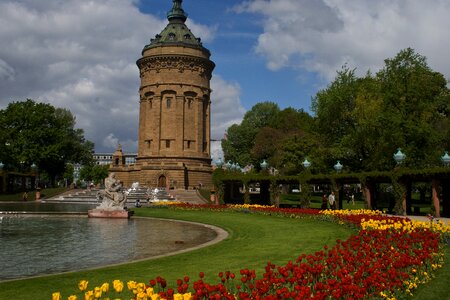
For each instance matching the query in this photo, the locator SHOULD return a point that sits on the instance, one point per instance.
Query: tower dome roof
(176, 32)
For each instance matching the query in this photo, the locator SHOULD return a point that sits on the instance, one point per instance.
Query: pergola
(231, 185)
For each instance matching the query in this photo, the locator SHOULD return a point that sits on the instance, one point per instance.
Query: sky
(81, 54)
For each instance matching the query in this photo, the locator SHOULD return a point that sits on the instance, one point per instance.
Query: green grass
(45, 193)
(253, 241)
(437, 288)
(316, 201)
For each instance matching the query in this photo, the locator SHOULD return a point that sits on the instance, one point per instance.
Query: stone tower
(175, 109)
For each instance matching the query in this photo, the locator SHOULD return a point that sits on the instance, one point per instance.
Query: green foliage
(305, 194)
(359, 121)
(364, 120)
(267, 133)
(68, 172)
(39, 133)
(241, 138)
(95, 173)
(333, 106)
(412, 108)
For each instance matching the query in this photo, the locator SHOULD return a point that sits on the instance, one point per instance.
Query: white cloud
(226, 106)
(321, 35)
(80, 55)
(110, 141)
(204, 32)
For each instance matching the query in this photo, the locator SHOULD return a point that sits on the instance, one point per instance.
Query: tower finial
(177, 4)
(177, 12)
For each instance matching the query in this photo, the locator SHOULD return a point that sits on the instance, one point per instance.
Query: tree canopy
(40, 134)
(360, 121)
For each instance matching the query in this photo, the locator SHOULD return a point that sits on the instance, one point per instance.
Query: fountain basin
(34, 244)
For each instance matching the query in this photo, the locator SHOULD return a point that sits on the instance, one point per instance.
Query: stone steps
(141, 193)
(188, 196)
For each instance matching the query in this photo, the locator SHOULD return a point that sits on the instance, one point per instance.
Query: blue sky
(235, 36)
(81, 54)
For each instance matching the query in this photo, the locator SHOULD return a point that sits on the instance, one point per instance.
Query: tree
(333, 106)
(86, 173)
(415, 105)
(283, 142)
(266, 144)
(68, 174)
(240, 138)
(99, 173)
(364, 120)
(39, 133)
(95, 173)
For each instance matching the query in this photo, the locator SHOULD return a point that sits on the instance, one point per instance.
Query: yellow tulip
(56, 296)
(89, 295)
(150, 291)
(72, 297)
(105, 287)
(118, 285)
(97, 292)
(140, 287)
(83, 285)
(141, 296)
(177, 297)
(187, 296)
(131, 285)
(155, 297)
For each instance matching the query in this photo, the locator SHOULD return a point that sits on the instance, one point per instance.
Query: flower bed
(387, 258)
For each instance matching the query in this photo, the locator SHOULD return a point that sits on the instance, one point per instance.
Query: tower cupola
(176, 32)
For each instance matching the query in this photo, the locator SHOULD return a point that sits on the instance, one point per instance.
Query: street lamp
(264, 165)
(306, 164)
(35, 168)
(338, 166)
(445, 158)
(399, 156)
(219, 163)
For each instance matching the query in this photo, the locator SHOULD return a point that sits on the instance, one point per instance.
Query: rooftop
(176, 32)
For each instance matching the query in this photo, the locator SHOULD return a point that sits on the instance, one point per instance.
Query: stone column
(435, 197)
(368, 192)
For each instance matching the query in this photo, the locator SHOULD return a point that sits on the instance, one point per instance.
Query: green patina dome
(176, 32)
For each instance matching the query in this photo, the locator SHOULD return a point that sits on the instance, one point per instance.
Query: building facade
(106, 158)
(175, 110)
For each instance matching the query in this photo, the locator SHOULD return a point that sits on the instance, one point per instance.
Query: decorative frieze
(181, 63)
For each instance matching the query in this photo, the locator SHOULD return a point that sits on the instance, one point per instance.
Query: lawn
(45, 193)
(253, 241)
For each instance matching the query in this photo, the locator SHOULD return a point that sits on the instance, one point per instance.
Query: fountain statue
(113, 199)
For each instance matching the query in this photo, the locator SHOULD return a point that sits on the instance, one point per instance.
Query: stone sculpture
(113, 197)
